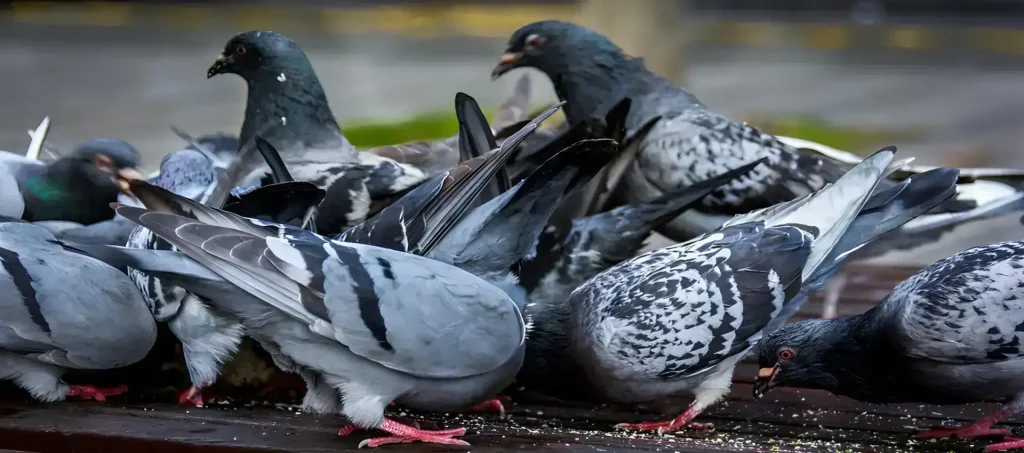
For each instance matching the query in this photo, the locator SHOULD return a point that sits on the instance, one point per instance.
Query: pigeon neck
(588, 86)
(548, 365)
(851, 351)
(294, 99)
(63, 190)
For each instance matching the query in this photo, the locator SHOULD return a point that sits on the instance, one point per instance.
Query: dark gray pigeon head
(556, 47)
(804, 354)
(283, 87)
(588, 70)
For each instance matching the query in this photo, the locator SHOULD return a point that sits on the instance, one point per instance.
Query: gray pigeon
(377, 325)
(679, 319)
(950, 334)
(689, 142)
(569, 255)
(63, 310)
(78, 187)
(287, 105)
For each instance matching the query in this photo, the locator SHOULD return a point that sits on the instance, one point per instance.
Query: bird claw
(378, 441)
(491, 405)
(193, 395)
(972, 431)
(401, 434)
(665, 427)
(89, 392)
(1006, 444)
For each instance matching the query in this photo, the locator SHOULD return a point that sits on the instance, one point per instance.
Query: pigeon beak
(217, 67)
(508, 62)
(765, 380)
(124, 178)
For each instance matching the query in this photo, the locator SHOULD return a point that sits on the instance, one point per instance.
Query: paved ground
(131, 83)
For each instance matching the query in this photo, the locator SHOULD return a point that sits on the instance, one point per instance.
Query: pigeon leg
(404, 434)
(830, 298)
(1006, 444)
(89, 392)
(193, 395)
(683, 420)
(491, 405)
(980, 428)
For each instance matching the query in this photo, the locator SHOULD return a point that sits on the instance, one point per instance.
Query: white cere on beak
(281, 78)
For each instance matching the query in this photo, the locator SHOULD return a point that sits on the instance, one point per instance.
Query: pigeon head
(799, 355)
(189, 173)
(283, 88)
(555, 47)
(250, 53)
(105, 163)
(586, 68)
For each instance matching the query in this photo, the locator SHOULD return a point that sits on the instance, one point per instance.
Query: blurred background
(942, 79)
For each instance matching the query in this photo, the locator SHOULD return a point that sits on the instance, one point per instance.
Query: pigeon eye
(534, 40)
(240, 49)
(786, 354)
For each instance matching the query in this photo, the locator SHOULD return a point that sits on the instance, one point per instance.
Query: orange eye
(786, 354)
(240, 49)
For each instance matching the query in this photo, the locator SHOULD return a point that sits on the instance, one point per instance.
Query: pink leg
(980, 428)
(491, 405)
(89, 392)
(193, 395)
(404, 434)
(1006, 444)
(683, 420)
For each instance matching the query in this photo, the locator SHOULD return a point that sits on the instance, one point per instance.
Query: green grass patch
(439, 125)
(857, 140)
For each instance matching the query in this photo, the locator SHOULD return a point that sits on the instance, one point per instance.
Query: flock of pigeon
(435, 274)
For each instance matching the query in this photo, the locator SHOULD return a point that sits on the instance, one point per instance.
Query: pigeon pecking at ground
(689, 142)
(377, 325)
(63, 310)
(950, 334)
(569, 255)
(78, 187)
(680, 318)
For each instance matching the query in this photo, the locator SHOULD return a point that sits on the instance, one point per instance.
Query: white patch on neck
(284, 121)
(281, 78)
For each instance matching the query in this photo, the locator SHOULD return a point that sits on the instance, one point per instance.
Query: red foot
(683, 420)
(192, 395)
(1007, 444)
(401, 434)
(972, 431)
(89, 392)
(491, 405)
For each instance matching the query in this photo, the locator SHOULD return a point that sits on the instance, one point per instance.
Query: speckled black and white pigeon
(678, 319)
(569, 255)
(78, 187)
(376, 325)
(62, 310)
(950, 334)
(688, 144)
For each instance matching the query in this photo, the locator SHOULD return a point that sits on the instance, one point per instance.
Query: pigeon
(569, 255)
(287, 105)
(76, 188)
(375, 324)
(687, 142)
(677, 320)
(949, 334)
(64, 311)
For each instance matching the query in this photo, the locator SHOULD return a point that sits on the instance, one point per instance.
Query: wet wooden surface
(787, 420)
